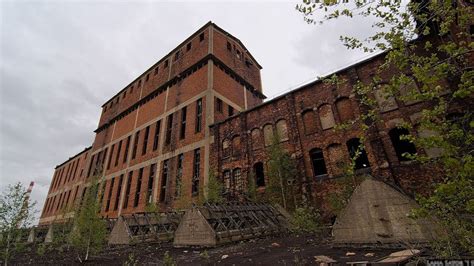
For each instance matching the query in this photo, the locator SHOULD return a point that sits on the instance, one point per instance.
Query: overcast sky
(59, 62)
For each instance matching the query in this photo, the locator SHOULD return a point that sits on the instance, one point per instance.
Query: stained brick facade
(200, 109)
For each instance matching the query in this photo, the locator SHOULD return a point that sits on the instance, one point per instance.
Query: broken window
(198, 125)
(355, 149)
(188, 46)
(151, 178)
(259, 174)
(127, 189)
(135, 144)
(326, 116)
(401, 146)
(229, 46)
(145, 140)
(179, 175)
(119, 192)
(317, 161)
(196, 171)
(201, 37)
(138, 188)
(236, 181)
(164, 180)
(182, 130)
(156, 137)
(169, 129)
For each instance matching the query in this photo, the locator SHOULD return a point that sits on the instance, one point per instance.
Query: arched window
(344, 109)
(256, 138)
(259, 174)
(309, 121)
(236, 146)
(268, 134)
(326, 116)
(354, 148)
(317, 161)
(336, 156)
(385, 100)
(401, 146)
(282, 130)
(226, 148)
(236, 182)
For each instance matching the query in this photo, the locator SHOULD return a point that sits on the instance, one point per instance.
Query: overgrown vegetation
(214, 189)
(168, 259)
(305, 220)
(89, 232)
(16, 216)
(281, 176)
(427, 47)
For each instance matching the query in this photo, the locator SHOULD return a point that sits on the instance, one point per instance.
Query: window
(282, 130)
(131, 89)
(188, 47)
(268, 134)
(218, 105)
(119, 192)
(248, 63)
(229, 46)
(105, 108)
(309, 121)
(259, 174)
(156, 137)
(135, 144)
(226, 177)
(236, 182)
(344, 109)
(401, 146)
(385, 100)
(196, 171)
(109, 195)
(201, 37)
(169, 129)
(110, 156)
(156, 70)
(177, 55)
(151, 178)
(226, 149)
(164, 180)
(198, 116)
(231, 111)
(145, 140)
(317, 161)
(236, 146)
(125, 155)
(139, 83)
(166, 64)
(182, 130)
(118, 153)
(127, 190)
(124, 94)
(256, 138)
(147, 77)
(179, 175)
(238, 54)
(326, 116)
(138, 188)
(355, 149)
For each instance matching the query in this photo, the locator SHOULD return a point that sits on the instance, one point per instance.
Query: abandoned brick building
(200, 109)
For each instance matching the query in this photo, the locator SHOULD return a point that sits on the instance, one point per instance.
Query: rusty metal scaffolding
(145, 227)
(214, 224)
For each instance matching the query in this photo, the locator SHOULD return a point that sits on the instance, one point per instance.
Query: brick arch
(309, 121)
(344, 109)
(326, 116)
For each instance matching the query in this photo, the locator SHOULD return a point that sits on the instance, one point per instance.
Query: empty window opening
(401, 146)
(147, 77)
(151, 178)
(182, 130)
(201, 37)
(110, 157)
(119, 148)
(127, 145)
(198, 116)
(169, 129)
(317, 161)
(109, 195)
(138, 188)
(119, 192)
(156, 137)
(127, 190)
(259, 174)
(135, 144)
(179, 175)
(231, 110)
(156, 70)
(229, 46)
(219, 105)
(188, 47)
(164, 180)
(139, 83)
(196, 171)
(177, 55)
(166, 64)
(145, 140)
(355, 149)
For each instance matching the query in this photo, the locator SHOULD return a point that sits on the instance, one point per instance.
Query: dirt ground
(277, 250)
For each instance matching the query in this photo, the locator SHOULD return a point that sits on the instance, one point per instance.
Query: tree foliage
(89, 232)
(214, 189)
(16, 215)
(281, 175)
(427, 44)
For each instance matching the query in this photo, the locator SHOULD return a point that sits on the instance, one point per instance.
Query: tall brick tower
(152, 143)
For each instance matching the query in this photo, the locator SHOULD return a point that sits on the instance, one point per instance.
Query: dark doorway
(259, 174)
